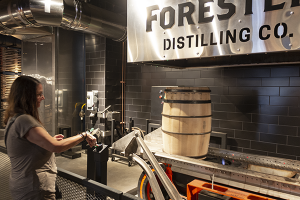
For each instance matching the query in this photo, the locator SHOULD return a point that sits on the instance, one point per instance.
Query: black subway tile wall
(293, 141)
(113, 75)
(294, 81)
(111, 5)
(248, 135)
(289, 91)
(279, 139)
(283, 130)
(294, 111)
(257, 152)
(104, 65)
(285, 71)
(258, 106)
(274, 110)
(264, 146)
(95, 73)
(284, 101)
(257, 72)
(275, 81)
(235, 142)
(104, 73)
(249, 81)
(258, 127)
(289, 150)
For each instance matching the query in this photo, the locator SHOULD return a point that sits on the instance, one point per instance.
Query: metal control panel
(92, 100)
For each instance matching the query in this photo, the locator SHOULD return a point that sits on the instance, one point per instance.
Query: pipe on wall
(68, 14)
(123, 83)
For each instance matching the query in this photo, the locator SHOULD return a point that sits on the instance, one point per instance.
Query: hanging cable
(137, 128)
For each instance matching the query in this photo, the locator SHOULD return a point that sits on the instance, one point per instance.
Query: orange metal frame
(148, 188)
(194, 187)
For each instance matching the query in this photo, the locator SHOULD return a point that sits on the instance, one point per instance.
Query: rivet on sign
(292, 12)
(238, 49)
(240, 20)
(290, 45)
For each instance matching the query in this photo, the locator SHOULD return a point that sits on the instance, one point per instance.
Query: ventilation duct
(19, 17)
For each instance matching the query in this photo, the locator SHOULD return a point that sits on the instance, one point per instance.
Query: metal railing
(71, 185)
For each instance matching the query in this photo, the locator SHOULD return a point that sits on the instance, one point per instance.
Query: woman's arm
(41, 137)
(59, 137)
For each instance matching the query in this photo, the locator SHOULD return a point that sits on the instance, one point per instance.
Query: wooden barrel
(186, 121)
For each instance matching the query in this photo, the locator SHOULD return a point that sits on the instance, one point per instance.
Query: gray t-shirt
(33, 168)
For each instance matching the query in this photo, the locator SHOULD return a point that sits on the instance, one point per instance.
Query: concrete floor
(119, 175)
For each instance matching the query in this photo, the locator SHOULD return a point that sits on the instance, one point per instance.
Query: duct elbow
(75, 15)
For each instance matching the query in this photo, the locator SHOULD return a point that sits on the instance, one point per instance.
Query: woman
(29, 146)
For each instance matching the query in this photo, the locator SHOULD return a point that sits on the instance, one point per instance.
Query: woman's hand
(59, 137)
(91, 140)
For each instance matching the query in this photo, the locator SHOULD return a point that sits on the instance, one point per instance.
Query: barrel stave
(186, 121)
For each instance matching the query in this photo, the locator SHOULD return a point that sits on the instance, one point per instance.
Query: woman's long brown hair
(23, 98)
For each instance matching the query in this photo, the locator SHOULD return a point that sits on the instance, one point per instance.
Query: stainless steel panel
(149, 46)
(62, 73)
(37, 62)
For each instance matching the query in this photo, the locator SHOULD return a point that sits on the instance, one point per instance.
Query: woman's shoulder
(26, 118)
(24, 123)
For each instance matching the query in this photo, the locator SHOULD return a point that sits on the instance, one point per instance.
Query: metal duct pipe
(152, 179)
(170, 188)
(69, 14)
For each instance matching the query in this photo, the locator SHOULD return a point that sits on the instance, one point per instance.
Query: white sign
(180, 29)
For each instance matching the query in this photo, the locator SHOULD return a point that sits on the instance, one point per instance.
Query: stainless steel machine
(221, 166)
